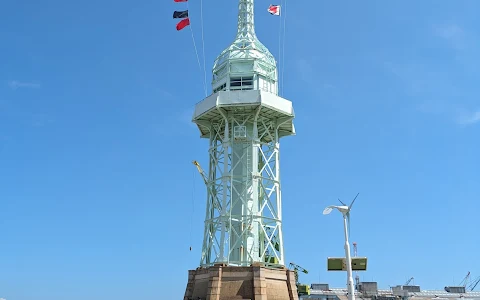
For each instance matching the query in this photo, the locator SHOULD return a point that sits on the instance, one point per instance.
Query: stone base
(240, 283)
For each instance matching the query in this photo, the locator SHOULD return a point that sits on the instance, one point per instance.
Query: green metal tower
(244, 119)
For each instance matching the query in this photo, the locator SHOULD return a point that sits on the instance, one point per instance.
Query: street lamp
(345, 210)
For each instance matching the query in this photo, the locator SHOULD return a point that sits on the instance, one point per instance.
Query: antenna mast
(357, 278)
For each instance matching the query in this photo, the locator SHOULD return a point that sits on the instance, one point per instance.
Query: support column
(190, 285)
(292, 285)
(225, 178)
(259, 283)
(214, 283)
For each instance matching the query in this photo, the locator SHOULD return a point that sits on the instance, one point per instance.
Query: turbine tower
(244, 120)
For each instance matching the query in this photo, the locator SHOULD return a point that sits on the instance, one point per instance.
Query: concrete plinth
(240, 283)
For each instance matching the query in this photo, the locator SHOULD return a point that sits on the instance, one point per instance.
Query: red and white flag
(274, 10)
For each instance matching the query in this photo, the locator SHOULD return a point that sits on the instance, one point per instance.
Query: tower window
(240, 132)
(266, 85)
(220, 88)
(241, 83)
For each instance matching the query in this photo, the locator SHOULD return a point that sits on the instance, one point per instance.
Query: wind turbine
(345, 210)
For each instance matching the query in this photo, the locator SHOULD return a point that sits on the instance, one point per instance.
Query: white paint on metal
(244, 120)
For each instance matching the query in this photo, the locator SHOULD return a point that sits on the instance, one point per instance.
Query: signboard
(339, 264)
(359, 264)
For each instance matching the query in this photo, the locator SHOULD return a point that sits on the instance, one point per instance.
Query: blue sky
(98, 196)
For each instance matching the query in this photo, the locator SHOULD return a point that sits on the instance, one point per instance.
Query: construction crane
(215, 201)
(303, 289)
(408, 281)
(200, 170)
(474, 284)
(465, 280)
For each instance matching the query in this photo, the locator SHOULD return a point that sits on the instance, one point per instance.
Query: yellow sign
(339, 264)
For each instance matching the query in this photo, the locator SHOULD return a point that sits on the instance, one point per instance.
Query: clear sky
(98, 196)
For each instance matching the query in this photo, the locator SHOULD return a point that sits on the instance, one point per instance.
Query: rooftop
(341, 293)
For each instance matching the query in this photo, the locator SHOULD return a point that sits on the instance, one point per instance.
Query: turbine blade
(342, 202)
(350, 207)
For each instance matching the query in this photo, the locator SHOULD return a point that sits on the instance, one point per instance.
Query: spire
(246, 26)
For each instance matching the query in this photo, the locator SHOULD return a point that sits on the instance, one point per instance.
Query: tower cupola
(246, 64)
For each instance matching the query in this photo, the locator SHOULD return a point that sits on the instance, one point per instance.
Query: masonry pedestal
(221, 282)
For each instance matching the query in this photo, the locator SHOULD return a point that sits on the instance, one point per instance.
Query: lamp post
(345, 210)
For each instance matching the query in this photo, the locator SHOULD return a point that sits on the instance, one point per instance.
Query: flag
(183, 23)
(180, 14)
(180, 0)
(274, 10)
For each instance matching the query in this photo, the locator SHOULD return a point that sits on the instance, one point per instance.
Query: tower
(357, 278)
(244, 119)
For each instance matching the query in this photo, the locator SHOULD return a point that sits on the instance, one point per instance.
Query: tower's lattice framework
(244, 120)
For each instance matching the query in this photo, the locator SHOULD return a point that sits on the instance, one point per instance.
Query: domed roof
(246, 54)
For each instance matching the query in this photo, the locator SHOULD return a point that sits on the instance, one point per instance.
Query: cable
(283, 50)
(193, 210)
(196, 52)
(203, 50)
(280, 63)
